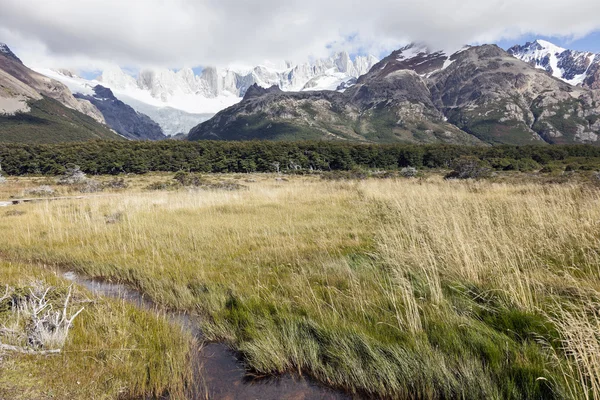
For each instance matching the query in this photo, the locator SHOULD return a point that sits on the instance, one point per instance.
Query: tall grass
(392, 288)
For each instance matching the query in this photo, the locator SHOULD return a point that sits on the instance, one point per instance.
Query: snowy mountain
(180, 100)
(574, 67)
(477, 95)
(215, 89)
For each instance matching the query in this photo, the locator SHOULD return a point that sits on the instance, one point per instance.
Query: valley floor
(391, 288)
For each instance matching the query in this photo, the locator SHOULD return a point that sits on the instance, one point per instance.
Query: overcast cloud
(176, 33)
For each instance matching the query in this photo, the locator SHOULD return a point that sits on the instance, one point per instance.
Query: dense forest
(116, 157)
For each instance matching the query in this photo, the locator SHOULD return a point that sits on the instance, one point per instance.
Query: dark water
(218, 374)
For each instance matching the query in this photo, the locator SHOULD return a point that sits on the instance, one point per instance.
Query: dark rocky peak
(104, 93)
(347, 84)
(485, 51)
(121, 117)
(257, 91)
(7, 52)
(529, 46)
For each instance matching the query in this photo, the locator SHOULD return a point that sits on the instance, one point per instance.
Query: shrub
(469, 168)
(188, 179)
(527, 165)
(230, 186)
(549, 169)
(40, 191)
(504, 164)
(73, 175)
(117, 183)
(38, 323)
(409, 172)
(2, 179)
(158, 186)
(570, 168)
(91, 186)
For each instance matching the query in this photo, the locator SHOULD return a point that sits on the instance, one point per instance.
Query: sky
(92, 34)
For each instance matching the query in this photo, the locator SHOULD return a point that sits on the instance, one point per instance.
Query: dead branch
(46, 327)
(23, 350)
(7, 293)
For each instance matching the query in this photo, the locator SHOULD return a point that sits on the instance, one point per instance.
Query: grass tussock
(391, 288)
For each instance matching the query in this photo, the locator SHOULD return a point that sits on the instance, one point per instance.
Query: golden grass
(395, 288)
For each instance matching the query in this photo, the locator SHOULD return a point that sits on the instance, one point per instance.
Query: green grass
(51, 122)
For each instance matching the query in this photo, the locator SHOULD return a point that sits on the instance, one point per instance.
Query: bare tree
(46, 329)
(276, 165)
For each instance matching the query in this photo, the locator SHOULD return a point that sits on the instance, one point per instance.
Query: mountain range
(179, 100)
(477, 95)
(532, 93)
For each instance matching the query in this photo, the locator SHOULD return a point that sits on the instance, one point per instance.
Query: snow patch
(447, 63)
(411, 51)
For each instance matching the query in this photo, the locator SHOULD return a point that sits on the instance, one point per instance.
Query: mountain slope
(365, 113)
(500, 99)
(574, 67)
(477, 95)
(32, 109)
(123, 118)
(48, 87)
(48, 121)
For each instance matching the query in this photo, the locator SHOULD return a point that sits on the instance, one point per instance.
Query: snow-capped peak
(568, 65)
(550, 47)
(411, 51)
(115, 78)
(170, 87)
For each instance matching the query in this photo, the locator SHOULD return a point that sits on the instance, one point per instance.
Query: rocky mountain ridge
(12, 66)
(212, 82)
(179, 100)
(123, 118)
(37, 109)
(480, 94)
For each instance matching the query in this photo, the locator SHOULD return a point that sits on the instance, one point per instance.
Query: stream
(218, 374)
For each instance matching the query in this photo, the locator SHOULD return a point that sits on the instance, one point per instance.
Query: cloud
(176, 33)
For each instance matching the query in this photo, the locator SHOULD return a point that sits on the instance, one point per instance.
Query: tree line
(116, 157)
